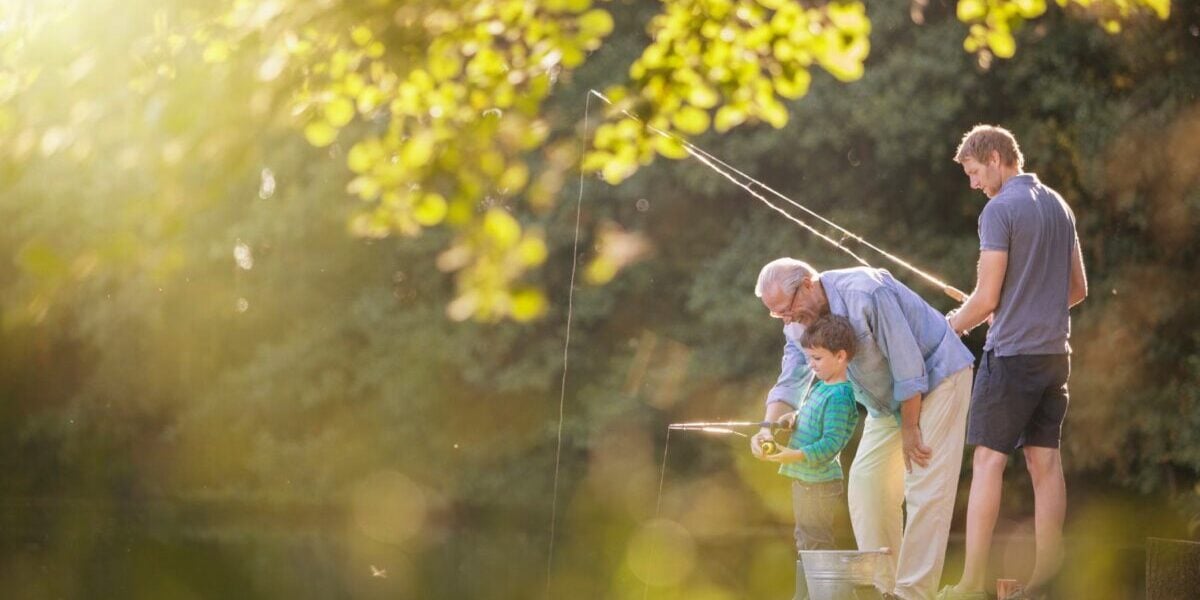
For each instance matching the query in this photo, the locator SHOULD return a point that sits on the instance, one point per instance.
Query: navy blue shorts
(1019, 401)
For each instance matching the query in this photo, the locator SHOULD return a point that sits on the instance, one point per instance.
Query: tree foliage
(438, 110)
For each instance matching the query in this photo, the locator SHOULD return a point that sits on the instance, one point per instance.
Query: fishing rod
(701, 425)
(731, 428)
(745, 182)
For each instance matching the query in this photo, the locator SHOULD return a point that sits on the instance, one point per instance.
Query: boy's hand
(786, 456)
(756, 443)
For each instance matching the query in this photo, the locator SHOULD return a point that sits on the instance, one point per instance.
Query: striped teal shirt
(824, 423)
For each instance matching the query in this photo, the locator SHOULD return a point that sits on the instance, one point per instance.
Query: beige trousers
(878, 486)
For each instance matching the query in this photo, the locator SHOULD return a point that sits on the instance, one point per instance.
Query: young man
(822, 424)
(913, 375)
(1030, 274)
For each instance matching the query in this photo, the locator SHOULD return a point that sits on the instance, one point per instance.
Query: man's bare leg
(983, 507)
(1049, 511)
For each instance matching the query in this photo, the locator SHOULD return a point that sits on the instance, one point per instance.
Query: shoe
(951, 593)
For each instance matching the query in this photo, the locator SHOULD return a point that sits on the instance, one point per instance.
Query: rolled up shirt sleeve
(793, 374)
(899, 346)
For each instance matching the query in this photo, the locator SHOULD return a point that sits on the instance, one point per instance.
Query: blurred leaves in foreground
(439, 109)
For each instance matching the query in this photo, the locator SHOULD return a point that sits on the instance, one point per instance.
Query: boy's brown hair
(832, 333)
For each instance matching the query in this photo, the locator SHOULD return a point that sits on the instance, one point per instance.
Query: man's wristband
(950, 323)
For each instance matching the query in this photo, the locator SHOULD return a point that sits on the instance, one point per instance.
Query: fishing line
(714, 427)
(711, 162)
(562, 395)
(662, 476)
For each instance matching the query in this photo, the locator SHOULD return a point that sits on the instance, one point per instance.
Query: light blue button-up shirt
(905, 346)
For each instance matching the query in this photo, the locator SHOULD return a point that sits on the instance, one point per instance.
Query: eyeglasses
(788, 307)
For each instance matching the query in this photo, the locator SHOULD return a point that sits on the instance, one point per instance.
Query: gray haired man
(913, 375)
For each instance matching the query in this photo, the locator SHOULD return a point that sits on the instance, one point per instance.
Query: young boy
(823, 422)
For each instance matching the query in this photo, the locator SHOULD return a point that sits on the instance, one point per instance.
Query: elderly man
(913, 375)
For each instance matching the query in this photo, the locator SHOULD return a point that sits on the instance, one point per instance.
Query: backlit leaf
(339, 111)
(501, 228)
(528, 304)
(669, 147)
(596, 23)
(430, 210)
(691, 120)
(320, 133)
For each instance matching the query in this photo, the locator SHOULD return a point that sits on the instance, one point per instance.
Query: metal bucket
(842, 574)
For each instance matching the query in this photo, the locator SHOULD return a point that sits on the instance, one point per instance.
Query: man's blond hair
(982, 140)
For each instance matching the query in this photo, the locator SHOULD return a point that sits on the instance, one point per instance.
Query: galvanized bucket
(842, 574)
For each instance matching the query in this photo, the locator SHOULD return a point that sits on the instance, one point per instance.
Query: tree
(437, 109)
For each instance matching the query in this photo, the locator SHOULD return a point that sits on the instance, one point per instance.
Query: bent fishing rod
(744, 181)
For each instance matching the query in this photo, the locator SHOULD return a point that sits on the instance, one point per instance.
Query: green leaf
(728, 117)
(690, 120)
(339, 111)
(600, 271)
(532, 251)
(702, 96)
(595, 23)
(417, 152)
(320, 133)
(595, 160)
(430, 210)
(1002, 43)
(501, 228)
(1161, 8)
(513, 179)
(845, 65)
(670, 147)
(572, 56)
(971, 10)
(488, 63)
(362, 156)
(528, 304)
(352, 84)
(445, 65)
(369, 99)
(775, 113)
(850, 18)
(1030, 9)
(617, 170)
(366, 188)
(361, 35)
(577, 6)
(793, 87)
